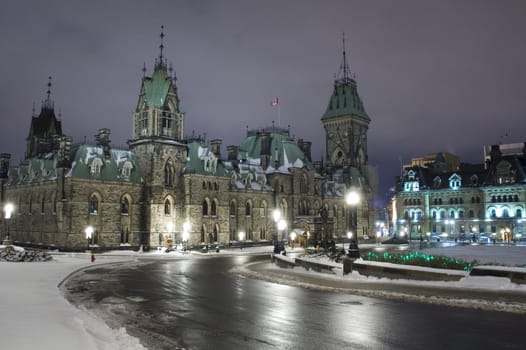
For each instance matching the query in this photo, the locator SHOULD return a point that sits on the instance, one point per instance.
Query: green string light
(420, 259)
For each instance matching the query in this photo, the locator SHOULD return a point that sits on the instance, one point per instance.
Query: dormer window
(126, 169)
(96, 166)
(411, 186)
(474, 180)
(454, 182)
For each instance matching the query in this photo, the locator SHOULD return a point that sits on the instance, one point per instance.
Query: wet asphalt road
(198, 304)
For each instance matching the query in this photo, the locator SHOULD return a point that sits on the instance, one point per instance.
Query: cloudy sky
(436, 75)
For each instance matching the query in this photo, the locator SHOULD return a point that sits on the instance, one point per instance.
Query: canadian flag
(274, 101)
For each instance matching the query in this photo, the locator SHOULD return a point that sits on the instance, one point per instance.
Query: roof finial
(49, 88)
(162, 45)
(33, 109)
(144, 70)
(47, 103)
(344, 67)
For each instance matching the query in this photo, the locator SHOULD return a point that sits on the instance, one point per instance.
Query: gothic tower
(43, 129)
(346, 123)
(158, 126)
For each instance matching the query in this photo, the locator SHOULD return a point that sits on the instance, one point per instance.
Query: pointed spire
(34, 113)
(48, 103)
(144, 70)
(344, 73)
(161, 60)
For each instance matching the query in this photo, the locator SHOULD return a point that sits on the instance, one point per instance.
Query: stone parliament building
(165, 188)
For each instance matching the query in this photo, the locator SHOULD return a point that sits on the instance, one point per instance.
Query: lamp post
(8, 209)
(89, 233)
(293, 237)
(186, 229)
(241, 235)
(349, 236)
(352, 199)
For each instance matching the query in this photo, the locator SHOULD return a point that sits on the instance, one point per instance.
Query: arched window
(93, 204)
(168, 174)
(205, 208)
(505, 213)
(263, 209)
(248, 209)
(493, 213)
(43, 205)
(167, 207)
(518, 213)
(213, 208)
(125, 206)
(232, 209)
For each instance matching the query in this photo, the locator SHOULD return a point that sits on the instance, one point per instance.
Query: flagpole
(279, 114)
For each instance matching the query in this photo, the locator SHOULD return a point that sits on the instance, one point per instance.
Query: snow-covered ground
(34, 313)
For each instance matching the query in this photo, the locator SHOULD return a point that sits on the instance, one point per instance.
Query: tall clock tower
(346, 123)
(158, 129)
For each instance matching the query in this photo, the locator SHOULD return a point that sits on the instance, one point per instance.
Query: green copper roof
(282, 146)
(202, 161)
(112, 166)
(34, 170)
(157, 87)
(345, 101)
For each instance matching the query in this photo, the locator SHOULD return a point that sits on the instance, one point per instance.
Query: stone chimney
(103, 140)
(305, 147)
(232, 155)
(265, 149)
(215, 146)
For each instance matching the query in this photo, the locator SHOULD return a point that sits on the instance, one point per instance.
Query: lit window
(93, 205)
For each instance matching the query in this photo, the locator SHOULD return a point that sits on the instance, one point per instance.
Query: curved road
(198, 304)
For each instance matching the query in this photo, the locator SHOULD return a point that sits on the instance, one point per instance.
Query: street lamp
(8, 209)
(89, 232)
(352, 199)
(349, 236)
(186, 229)
(241, 235)
(282, 225)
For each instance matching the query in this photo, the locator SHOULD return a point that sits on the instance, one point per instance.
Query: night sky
(435, 76)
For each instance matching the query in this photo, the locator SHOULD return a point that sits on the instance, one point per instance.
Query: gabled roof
(345, 101)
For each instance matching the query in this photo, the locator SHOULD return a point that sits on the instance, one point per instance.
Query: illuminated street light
(352, 199)
(186, 234)
(241, 236)
(89, 233)
(293, 237)
(8, 209)
(276, 214)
